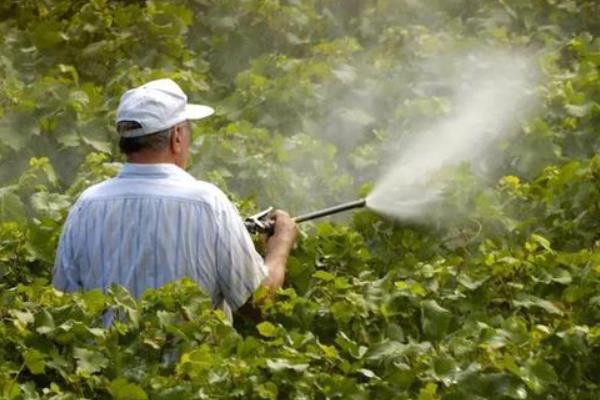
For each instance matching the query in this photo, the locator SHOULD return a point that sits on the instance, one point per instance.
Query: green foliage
(501, 301)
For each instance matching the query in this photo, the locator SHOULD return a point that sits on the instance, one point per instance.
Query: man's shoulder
(94, 190)
(198, 189)
(192, 190)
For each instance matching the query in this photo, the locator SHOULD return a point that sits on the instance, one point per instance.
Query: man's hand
(284, 230)
(278, 248)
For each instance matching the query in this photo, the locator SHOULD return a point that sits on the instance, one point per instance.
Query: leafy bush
(500, 302)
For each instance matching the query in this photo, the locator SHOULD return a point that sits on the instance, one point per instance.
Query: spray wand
(259, 223)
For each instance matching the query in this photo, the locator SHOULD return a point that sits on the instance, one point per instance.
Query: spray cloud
(491, 94)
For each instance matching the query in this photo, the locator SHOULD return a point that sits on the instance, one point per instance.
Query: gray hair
(155, 141)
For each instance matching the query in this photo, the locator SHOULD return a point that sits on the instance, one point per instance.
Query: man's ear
(177, 139)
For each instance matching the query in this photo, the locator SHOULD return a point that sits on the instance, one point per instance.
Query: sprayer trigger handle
(269, 228)
(259, 223)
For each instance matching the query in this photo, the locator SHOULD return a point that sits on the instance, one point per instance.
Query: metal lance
(259, 223)
(331, 210)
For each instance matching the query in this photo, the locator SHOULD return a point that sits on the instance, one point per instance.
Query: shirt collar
(153, 171)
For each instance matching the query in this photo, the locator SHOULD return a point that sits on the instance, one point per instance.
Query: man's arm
(278, 249)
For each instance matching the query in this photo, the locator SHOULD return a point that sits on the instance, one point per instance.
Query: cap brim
(197, 111)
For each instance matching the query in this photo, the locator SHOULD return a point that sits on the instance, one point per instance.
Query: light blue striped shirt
(154, 223)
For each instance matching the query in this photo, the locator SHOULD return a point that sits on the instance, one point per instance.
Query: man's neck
(150, 158)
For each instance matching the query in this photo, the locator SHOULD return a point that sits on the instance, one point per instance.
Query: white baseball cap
(156, 106)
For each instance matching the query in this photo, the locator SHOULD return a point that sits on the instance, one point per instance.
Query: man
(154, 223)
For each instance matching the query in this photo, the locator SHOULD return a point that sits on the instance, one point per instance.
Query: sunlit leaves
(120, 389)
(266, 329)
(34, 360)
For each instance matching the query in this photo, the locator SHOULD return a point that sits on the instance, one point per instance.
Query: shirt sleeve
(65, 274)
(240, 269)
